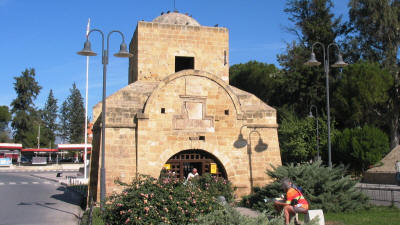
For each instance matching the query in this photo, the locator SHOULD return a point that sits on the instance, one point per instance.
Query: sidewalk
(65, 178)
(41, 168)
(247, 212)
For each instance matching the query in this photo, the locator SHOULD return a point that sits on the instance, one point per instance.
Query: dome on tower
(176, 18)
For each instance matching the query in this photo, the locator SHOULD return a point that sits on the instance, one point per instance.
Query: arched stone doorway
(182, 163)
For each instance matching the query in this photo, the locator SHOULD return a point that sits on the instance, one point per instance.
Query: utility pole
(38, 138)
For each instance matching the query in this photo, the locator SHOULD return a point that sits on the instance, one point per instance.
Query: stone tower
(179, 112)
(174, 41)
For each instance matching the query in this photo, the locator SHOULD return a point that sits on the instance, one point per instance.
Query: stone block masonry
(156, 45)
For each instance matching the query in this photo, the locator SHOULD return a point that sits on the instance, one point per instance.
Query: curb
(50, 179)
(37, 170)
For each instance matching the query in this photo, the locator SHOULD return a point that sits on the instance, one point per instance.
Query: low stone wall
(379, 178)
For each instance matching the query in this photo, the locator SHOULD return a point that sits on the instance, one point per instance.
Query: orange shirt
(295, 194)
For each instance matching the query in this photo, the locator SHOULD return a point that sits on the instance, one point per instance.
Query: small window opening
(183, 63)
(163, 110)
(225, 58)
(202, 138)
(226, 111)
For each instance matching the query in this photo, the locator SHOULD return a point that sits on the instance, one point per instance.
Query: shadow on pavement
(46, 205)
(68, 196)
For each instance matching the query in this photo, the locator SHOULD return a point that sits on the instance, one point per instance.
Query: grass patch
(377, 215)
(96, 219)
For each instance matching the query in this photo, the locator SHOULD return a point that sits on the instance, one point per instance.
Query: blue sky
(46, 34)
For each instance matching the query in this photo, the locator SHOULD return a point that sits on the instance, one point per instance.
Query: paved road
(38, 171)
(25, 199)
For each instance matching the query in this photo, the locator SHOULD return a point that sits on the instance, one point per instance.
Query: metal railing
(382, 194)
(78, 186)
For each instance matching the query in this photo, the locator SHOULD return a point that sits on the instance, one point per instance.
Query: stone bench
(315, 213)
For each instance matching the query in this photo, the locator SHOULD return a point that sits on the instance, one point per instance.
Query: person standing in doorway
(192, 174)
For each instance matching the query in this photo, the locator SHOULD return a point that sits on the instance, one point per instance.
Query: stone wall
(379, 178)
(155, 45)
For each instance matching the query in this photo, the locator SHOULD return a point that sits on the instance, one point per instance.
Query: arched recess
(199, 73)
(181, 163)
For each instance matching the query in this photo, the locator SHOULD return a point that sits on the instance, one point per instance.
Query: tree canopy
(23, 108)
(313, 21)
(361, 95)
(72, 117)
(366, 93)
(5, 117)
(49, 117)
(376, 27)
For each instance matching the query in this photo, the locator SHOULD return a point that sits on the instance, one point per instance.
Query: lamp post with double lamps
(339, 63)
(316, 119)
(123, 53)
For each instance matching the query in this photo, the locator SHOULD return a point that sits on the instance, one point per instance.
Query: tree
(300, 85)
(361, 95)
(297, 137)
(5, 118)
(49, 117)
(72, 117)
(64, 121)
(261, 79)
(23, 108)
(313, 21)
(376, 25)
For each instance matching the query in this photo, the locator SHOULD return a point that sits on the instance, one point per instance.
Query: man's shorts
(304, 206)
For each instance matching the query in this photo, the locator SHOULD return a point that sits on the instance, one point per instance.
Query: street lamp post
(316, 118)
(123, 53)
(339, 63)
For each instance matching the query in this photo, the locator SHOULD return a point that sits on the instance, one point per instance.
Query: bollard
(392, 197)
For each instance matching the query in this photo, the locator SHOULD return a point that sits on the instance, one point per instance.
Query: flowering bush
(216, 186)
(153, 201)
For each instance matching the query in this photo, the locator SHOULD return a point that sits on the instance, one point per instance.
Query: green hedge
(231, 216)
(324, 188)
(360, 147)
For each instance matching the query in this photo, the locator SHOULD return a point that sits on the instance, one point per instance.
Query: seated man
(294, 201)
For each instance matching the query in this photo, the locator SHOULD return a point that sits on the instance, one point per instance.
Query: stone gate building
(180, 112)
